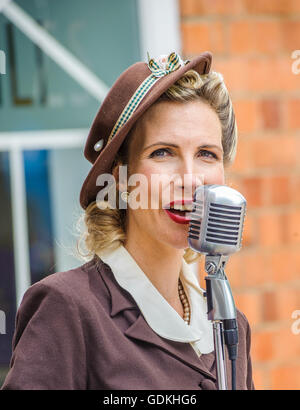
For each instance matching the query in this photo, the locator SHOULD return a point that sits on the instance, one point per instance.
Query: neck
(160, 263)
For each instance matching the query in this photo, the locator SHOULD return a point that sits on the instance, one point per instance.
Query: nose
(190, 179)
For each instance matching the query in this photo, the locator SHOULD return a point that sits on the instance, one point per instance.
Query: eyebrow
(170, 144)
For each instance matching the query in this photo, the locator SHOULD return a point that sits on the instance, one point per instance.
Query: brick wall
(252, 42)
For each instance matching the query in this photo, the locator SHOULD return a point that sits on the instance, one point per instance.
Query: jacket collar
(120, 299)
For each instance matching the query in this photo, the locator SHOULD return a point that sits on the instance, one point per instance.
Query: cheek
(215, 175)
(138, 185)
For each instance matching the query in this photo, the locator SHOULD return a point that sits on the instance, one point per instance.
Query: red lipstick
(176, 217)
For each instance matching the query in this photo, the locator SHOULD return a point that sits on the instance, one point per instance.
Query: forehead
(188, 122)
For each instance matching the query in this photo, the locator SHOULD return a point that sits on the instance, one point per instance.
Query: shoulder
(71, 283)
(61, 297)
(70, 290)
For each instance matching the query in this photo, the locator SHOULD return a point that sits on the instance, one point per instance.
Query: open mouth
(179, 211)
(182, 206)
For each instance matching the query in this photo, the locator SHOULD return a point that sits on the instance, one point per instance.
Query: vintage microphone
(215, 229)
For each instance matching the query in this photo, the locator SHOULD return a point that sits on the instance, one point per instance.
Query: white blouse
(158, 313)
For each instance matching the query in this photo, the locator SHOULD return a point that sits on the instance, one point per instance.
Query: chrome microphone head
(216, 221)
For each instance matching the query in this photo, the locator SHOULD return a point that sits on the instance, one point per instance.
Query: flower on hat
(165, 64)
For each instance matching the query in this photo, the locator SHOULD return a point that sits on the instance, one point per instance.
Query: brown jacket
(80, 330)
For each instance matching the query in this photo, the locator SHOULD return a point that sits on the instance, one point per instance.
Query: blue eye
(208, 154)
(159, 151)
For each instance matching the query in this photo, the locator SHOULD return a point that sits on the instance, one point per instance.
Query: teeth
(184, 207)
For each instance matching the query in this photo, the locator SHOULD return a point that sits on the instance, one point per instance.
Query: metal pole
(20, 227)
(220, 355)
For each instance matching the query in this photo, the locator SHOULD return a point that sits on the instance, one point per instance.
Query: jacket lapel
(140, 330)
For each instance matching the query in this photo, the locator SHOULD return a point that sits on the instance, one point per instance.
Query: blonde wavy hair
(105, 229)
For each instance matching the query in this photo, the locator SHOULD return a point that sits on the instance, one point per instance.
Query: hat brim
(104, 161)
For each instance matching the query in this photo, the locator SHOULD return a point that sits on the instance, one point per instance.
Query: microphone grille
(224, 224)
(216, 221)
(195, 220)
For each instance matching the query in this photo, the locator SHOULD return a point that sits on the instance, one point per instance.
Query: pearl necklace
(185, 303)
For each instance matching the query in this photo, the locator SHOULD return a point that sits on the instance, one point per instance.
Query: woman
(134, 316)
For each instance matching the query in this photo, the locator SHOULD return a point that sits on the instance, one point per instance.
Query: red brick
(267, 6)
(267, 36)
(253, 191)
(286, 345)
(255, 270)
(260, 378)
(272, 73)
(199, 37)
(294, 6)
(292, 226)
(293, 114)
(269, 306)
(241, 37)
(234, 71)
(277, 344)
(270, 228)
(249, 231)
(250, 304)
(262, 349)
(295, 189)
(217, 37)
(242, 160)
(288, 300)
(246, 112)
(270, 112)
(245, 36)
(257, 74)
(280, 190)
(290, 34)
(195, 38)
(286, 377)
(284, 263)
(274, 152)
(210, 7)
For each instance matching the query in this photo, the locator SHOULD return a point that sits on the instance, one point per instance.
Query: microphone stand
(222, 313)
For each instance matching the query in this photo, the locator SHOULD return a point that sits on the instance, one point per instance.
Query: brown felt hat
(132, 94)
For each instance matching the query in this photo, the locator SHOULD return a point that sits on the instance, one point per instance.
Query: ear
(120, 185)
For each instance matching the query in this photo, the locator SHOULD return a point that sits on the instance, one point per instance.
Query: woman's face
(182, 142)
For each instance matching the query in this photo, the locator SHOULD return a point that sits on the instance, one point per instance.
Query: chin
(178, 242)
